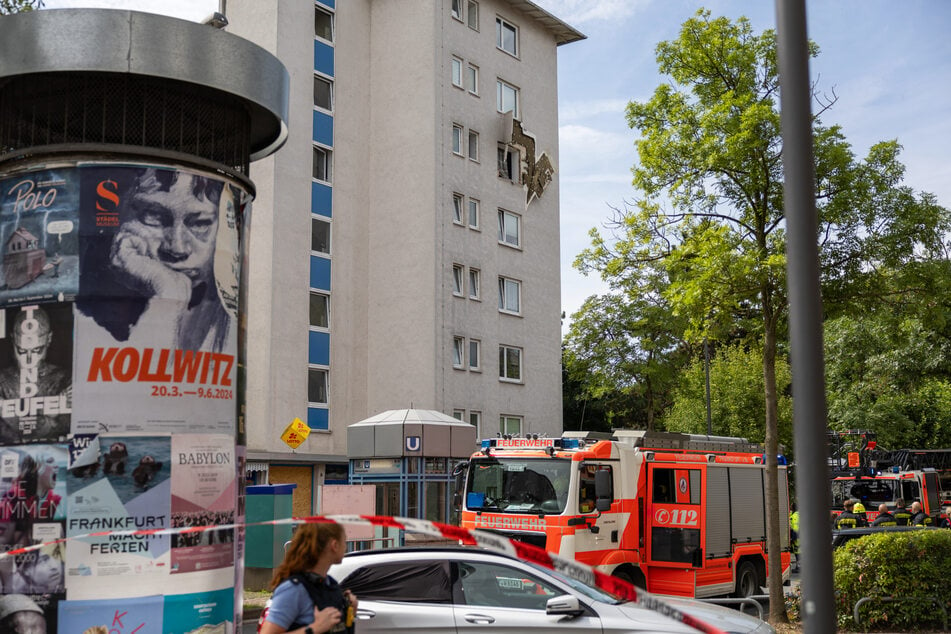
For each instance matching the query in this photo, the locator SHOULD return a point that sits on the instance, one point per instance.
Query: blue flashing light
(896, 469)
(570, 443)
(780, 460)
(486, 443)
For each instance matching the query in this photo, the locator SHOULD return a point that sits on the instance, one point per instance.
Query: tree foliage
(8, 7)
(710, 222)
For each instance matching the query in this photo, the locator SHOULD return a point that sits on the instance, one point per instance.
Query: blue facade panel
(323, 128)
(318, 348)
(321, 199)
(324, 58)
(318, 418)
(327, 3)
(319, 273)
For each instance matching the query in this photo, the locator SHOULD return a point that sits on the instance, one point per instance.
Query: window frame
(503, 214)
(473, 144)
(500, 24)
(317, 219)
(504, 418)
(504, 282)
(326, 310)
(457, 132)
(472, 79)
(478, 421)
(469, 20)
(504, 350)
(458, 280)
(333, 27)
(326, 384)
(455, 75)
(500, 86)
(328, 164)
(458, 352)
(455, 9)
(473, 211)
(462, 414)
(457, 208)
(330, 92)
(477, 367)
(476, 276)
(508, 167)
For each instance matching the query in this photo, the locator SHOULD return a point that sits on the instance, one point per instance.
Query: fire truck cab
(674, 513)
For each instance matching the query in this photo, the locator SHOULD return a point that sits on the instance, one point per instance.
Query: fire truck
(676, 514)
(863, 471)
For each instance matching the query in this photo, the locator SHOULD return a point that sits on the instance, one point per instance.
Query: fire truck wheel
(633, 579)
(746, 583)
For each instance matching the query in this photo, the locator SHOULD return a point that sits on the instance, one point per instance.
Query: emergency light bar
(531, 443)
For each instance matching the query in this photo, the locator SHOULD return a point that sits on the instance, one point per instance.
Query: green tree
(736, 396)
(624, 350)
(711, 214)
(8, 7)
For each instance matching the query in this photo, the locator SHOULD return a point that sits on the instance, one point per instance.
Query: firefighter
(902, 516)
(849, 519)
(919, 517)
(794, 535)
(884, 517)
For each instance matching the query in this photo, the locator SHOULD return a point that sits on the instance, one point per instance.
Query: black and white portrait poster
(156, 313)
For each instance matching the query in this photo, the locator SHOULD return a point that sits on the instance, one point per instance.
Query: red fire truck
(674, 513)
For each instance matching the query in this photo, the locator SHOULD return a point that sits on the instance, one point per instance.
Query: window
(473, 145)
(319, 310)
(510, 363)
(506, 98)
(472, 79)
(323, 93)
(458, 352)
(459, 414)
(472, 15)
(323, 25)
(457, 280)
(321, 164)
(507, 163)
(316, 385)
(586, 490)
(457, 131)
(506, 36)
(457, 208)
(475, 419)
(509, 228)
(473, 213)
(509, 295)
(319, 236)
(457, 9)
(475, 354)
(457, 72)
(474, 277)
(510, 424)
(494, 585)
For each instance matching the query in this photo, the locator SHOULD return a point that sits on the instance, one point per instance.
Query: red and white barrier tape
(489, 541)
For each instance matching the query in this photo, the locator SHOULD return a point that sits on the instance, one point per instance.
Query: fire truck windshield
(518, 485)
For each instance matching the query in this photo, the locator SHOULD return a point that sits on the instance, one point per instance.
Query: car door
(494, 597)
(404, 596)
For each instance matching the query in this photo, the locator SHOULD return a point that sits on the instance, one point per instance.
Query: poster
(35, 613)
(39, 236)
(156, 310)
(36, 361)
(141, 615)
(32, 511)
(126, 487)
(200, 613)
(203, 494)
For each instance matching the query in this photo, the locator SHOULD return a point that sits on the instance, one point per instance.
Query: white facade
(405, 318)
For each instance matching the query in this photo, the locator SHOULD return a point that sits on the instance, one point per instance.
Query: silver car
(468, 591)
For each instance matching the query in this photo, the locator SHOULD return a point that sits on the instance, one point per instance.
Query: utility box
(265, 544)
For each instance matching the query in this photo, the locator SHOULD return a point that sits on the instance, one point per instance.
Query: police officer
(884, 517)
(902, 516)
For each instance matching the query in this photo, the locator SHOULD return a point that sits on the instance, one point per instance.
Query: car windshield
(533, 485)
(591, 592)
(870, 492)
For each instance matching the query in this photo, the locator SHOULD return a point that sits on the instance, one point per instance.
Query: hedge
(906, 564)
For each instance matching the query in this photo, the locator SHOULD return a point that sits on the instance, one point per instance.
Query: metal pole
(706, 369)
(805, 319)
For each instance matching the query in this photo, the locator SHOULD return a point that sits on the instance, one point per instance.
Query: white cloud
(581, 11)
(582, 110)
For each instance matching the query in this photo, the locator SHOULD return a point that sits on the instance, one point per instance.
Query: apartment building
(404, 244)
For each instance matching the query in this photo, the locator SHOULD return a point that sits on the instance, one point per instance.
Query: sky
(888, 62)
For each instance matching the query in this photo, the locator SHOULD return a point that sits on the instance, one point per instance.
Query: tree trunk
(777, 603)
